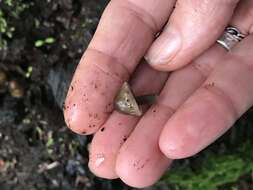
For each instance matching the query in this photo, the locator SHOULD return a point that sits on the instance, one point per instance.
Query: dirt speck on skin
(92, 126)
(63, 106)
(109, 108)
(100, 158)
(139, 164)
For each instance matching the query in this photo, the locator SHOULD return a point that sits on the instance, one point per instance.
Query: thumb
(192, 28)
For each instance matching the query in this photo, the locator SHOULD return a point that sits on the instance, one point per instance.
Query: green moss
(8, 2)
(214, 171)
(3, 23)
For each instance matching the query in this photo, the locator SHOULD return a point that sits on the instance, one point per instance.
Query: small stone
(15, 89)
(125, 101)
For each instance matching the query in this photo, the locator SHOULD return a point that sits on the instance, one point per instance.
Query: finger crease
(170, 108)
(108, 71)
(143, 15)
(201, 69)
(221, 94)
(249, 66)
(239, 59)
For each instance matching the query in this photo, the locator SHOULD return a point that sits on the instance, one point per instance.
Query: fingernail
(165, 48)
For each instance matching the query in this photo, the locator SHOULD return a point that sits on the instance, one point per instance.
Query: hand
(197, 103)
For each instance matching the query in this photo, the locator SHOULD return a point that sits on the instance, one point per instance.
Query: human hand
(196, 105)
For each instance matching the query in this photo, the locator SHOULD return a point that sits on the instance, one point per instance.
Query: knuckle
(141, 14)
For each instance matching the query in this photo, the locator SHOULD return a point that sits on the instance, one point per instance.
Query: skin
(185, 35)
(197, 103)
(122, 125)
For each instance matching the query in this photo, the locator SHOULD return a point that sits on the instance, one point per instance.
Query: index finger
(126, 30)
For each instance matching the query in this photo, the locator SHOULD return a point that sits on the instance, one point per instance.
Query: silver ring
(230, 38)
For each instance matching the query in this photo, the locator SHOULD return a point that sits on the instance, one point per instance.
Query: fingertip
(123, 170)
(128, 174)
(165, 66)
(180, 138)
(173, 149)
(187, 34)
(91, 94)
(140, 171)
(106, 143)
(76, 121)
(80, 116)
(99, 167)
(164, 49)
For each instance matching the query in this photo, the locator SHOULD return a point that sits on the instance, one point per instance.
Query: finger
(176, 145)
(140, 162)
(126, 30)
(193, 27)
(242, 17)
(213, 109)
(108, 140)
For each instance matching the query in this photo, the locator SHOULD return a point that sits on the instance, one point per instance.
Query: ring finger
(216, 105)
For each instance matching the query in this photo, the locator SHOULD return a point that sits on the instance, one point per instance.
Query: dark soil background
(37, 151)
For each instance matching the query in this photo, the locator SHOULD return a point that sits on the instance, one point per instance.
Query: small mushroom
(125, 102)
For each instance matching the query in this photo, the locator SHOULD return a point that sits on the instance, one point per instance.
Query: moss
(212, 173)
